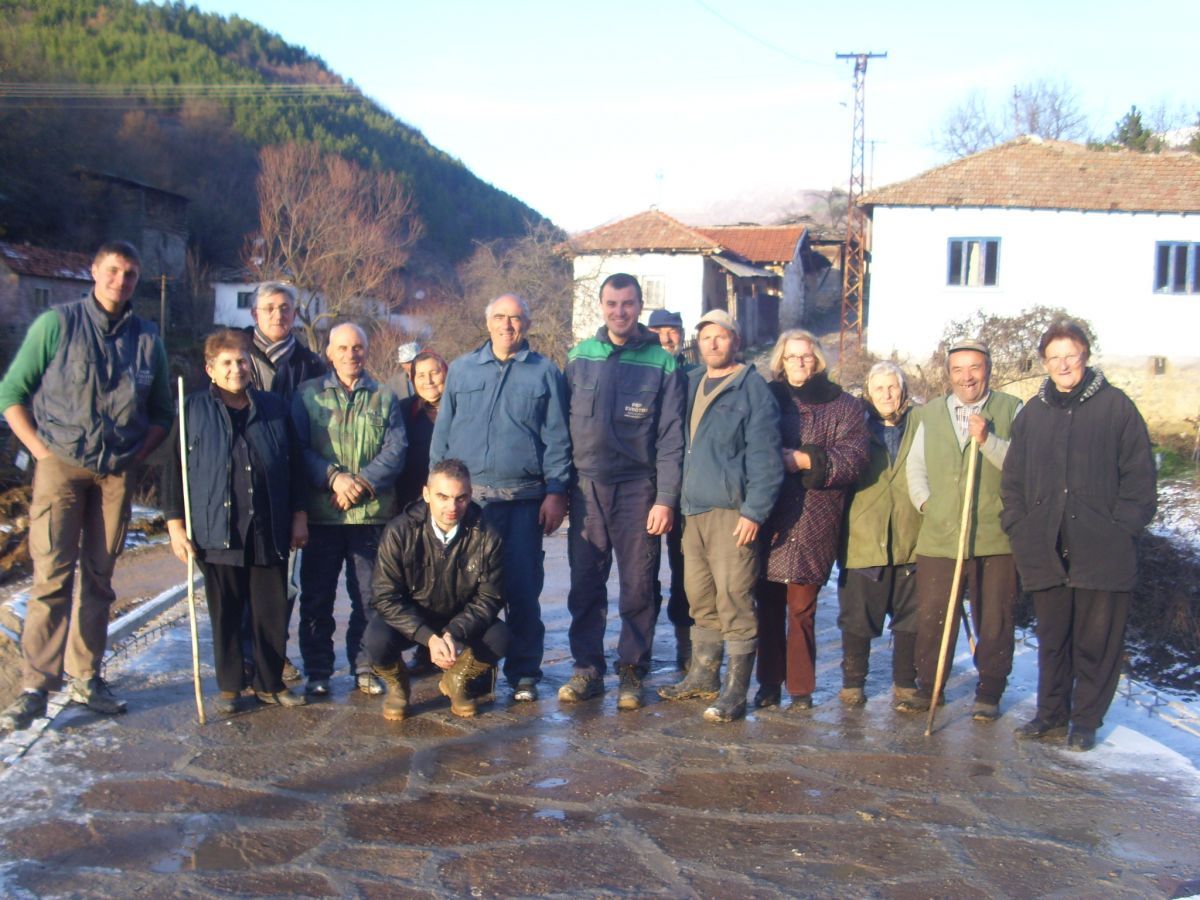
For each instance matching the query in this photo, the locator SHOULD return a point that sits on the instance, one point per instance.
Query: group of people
(434, 493)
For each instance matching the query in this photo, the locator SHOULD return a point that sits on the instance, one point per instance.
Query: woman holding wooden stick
(241, 484)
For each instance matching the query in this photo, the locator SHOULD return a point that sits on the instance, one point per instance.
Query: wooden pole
(952, 604)
(191, 564)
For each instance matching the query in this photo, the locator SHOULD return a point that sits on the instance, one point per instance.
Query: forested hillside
(218, 90)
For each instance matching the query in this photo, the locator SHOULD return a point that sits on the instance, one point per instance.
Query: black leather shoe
(1041, 730)
(1081, 739)
(766, 697)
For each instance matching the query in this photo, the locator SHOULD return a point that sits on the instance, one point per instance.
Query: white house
(1111, 236)
(754, 272)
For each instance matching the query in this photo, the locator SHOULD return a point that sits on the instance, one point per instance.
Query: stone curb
(148, 611)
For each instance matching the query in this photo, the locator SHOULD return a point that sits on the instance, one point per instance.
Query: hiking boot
(525, 690)
(629, 693)
(916, 704)
(731, 704)
(1037, 729)
(22, 712)
(454, 681)
(280, 698)
(767, 696)
(581, 686)
(368, 684)
(1081, 739)
(290, 673)
(703, 679)
(318, 687)
(985, 712)
(802, 701)
(852, 696)
(95, 695)
(395, 701)
(225, 703)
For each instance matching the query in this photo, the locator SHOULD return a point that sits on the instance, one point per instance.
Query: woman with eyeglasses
(1078, 487)
(824, 451)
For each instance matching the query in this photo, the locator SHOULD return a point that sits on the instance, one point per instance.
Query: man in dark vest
(948, 431)
(89, 396)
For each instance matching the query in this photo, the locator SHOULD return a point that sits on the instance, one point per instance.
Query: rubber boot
(454, 682)
(395, 700)
(683, 647)
(856, 652)
(703, 678)
(731, 704)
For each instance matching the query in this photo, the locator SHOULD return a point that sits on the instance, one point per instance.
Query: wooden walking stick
(191, 563)
(952, 605)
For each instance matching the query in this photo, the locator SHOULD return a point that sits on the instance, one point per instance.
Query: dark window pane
(1162, 266)
(1179, 270)
(1195, 269)
(990, 261)
(955, 263)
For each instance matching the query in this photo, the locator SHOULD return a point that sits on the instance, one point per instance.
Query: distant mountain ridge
(200, 146)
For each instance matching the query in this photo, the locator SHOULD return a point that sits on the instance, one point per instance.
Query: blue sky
(593, 111)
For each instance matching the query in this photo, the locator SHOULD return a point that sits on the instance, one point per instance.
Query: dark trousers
(992, 584)
(787, 641)
(248, 619)
(230, 589)
(329, 546)
(1081, 635)
(863, 606)
(524, 576)
(678, 606)
(384, 644)
(608, 519)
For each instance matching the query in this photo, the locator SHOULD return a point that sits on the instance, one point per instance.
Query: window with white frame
(245, 299)
(1177, 267)
(654, 292)
(973, 262)
(41, 298)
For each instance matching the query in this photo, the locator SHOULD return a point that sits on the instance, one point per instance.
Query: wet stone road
(546, 799)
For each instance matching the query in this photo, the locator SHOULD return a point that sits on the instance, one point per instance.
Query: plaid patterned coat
(802, 534)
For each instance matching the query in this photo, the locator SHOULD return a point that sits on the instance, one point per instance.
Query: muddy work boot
(581, 686)
(629, 690)
(395, 681)
(703, 679)
(95, 695)
(455, 680)
(852, 696)
(731, 704)
(24, 711)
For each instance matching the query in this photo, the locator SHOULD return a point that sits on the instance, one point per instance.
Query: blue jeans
(329, 546)
(524, 576)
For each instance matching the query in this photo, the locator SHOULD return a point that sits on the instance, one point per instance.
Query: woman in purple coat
(825, 449)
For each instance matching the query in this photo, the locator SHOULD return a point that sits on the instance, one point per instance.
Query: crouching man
(437, 584)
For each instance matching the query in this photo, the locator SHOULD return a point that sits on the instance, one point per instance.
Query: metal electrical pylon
(854, 271)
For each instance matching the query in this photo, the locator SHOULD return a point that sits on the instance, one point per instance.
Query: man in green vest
(972, 418)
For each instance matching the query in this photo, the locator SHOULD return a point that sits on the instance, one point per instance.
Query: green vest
(946, 465)
(881, 522)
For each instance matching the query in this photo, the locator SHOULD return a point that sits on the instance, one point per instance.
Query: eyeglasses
(807, 358)
(1072, 360)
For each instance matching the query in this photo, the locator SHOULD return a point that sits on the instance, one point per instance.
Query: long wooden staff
(191, 563)
(952, 604)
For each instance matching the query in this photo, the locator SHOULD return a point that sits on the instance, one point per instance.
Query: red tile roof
(651, 230)
(758, 243)
(40, 263)
(1030, 173)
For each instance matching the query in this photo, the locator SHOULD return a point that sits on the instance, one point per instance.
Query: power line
(758, 40)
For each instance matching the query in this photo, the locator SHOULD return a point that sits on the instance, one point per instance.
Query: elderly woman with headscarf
(878, 560)
(243, 483)
(1078, 486)
(824, 451)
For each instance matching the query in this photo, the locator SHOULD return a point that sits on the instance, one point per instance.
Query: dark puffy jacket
(1082, 473)
(423, 588)
(733, 461)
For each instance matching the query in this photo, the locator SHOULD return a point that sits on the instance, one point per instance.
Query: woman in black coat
(242, 485)
(1078, 486)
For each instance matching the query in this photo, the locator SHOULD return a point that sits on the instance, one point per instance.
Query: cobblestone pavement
(547, 799)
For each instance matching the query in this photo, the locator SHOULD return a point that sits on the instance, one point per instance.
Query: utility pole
(854, 273)
(162, 308)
